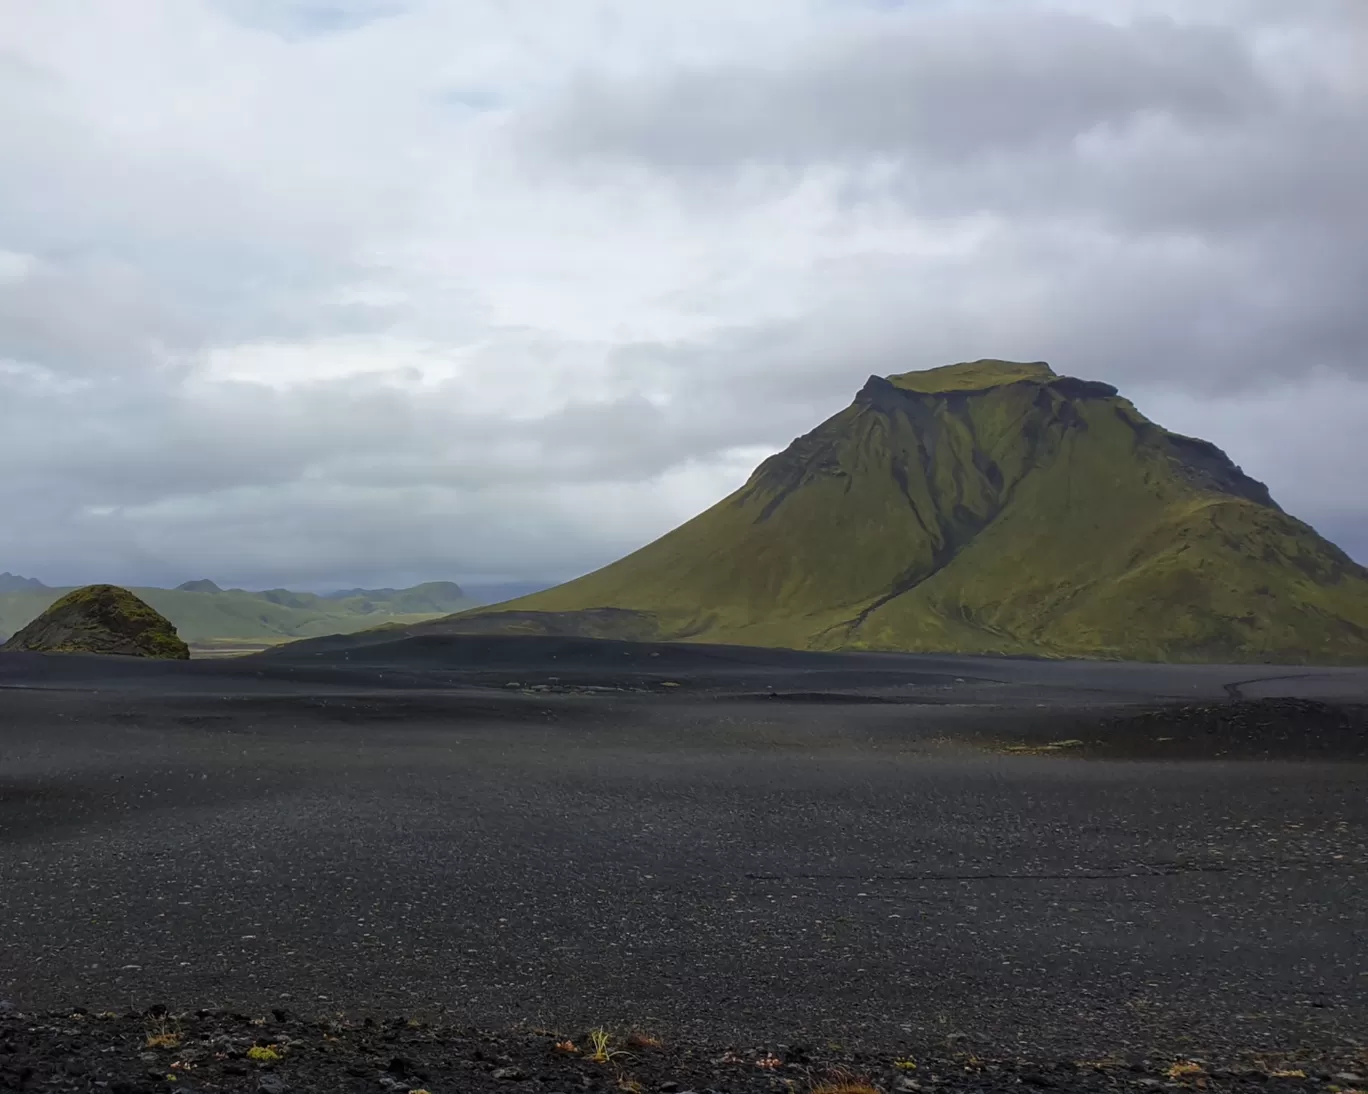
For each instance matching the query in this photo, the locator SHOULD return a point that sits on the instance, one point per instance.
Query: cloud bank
(351, 292)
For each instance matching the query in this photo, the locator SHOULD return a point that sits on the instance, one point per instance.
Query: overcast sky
(337, 292)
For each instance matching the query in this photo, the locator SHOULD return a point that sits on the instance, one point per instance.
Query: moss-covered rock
(987, 507)
(101, 619)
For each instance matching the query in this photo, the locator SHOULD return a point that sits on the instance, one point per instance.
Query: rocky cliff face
(101, 619)
(993, 507)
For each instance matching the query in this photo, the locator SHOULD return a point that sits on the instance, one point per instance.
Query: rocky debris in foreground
(217, 1051)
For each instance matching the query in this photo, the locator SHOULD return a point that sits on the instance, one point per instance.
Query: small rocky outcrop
(101, 619)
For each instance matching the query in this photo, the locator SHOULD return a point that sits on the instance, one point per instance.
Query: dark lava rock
(101, 619)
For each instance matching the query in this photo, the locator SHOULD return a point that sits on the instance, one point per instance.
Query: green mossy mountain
(101, 619)
(988, 507)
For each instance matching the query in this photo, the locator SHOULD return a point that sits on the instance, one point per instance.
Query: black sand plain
(1064, 874)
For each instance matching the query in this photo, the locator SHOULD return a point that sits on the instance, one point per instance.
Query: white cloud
(16, 267)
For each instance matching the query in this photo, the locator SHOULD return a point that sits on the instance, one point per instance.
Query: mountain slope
(987, 507)
(203, 613)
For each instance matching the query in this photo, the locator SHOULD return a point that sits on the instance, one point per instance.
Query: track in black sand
(1037, 859)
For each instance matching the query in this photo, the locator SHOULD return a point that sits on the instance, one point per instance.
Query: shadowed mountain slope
(986, 507)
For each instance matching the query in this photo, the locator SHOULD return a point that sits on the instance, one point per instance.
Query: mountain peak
(973, 376)
(202, 585)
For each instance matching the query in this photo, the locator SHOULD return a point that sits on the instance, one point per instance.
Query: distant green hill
(986, 507)
(204, 614)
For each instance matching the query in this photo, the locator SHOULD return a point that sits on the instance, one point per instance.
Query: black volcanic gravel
(898, 856)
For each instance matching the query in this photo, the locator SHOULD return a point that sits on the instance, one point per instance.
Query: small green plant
(599, 1041)
(264, 1054)
(841, 1081)
(905, 1064)
(844, 1088)
(161, 1034)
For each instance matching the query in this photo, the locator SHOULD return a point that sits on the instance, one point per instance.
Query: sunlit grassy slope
(987, 507)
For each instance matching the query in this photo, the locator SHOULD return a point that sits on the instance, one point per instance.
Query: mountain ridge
(987, 507)
(12, 583)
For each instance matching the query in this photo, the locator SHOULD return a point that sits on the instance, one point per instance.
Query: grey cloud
(124, 445)
(87, 314)
(1154, 126)
(945, 86)
(1162, 198)
(303, 19)
(337, 485)
(144, 248)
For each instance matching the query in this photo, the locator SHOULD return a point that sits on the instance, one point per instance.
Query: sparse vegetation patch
(214, 1050)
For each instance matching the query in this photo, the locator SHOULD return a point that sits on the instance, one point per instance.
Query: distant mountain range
(13, 583)
(205, 614)
(988, 507)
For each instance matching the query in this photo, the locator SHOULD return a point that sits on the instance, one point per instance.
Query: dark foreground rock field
(425, 863)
